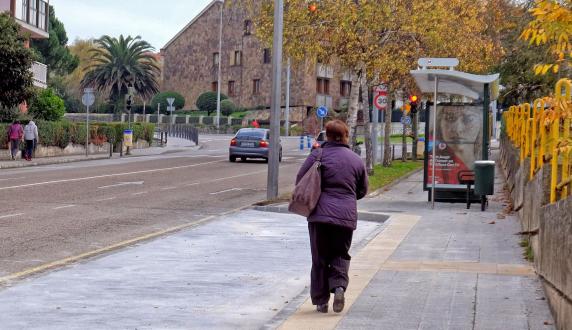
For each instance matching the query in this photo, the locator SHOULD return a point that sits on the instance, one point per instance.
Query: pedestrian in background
(332, 222)
(15, 135)
(31, 138)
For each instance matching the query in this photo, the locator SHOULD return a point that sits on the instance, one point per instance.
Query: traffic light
(312, 7)
(413, 103)
(129, 102)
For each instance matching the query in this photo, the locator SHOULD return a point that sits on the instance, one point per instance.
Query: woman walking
(31, 138)
(15, 135)
(332, 222)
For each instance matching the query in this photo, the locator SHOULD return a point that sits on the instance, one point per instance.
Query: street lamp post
(219, 69)
(274, 152)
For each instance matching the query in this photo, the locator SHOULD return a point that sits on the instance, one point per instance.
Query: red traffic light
(413, 98)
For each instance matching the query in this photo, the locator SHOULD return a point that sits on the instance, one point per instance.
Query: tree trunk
(367, 126)
(353, 108)
(387, 135)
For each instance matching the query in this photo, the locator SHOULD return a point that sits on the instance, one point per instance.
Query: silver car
(251, 143)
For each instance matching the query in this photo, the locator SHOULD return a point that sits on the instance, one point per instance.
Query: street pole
(382, 134)
(375, 116)
(143, 109)
(87, 133)
(287, 109)
(219, 69)
(273, 153)
(434, 146)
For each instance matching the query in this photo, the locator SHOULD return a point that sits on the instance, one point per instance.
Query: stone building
(191, 65)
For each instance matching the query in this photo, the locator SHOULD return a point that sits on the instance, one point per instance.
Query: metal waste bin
(484, 177)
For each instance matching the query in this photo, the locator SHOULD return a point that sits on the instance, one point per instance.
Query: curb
(52, 162)
(393, 184)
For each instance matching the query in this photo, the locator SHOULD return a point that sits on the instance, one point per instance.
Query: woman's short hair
(337, 131)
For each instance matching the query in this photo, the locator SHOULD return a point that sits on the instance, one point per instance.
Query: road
(54, 212)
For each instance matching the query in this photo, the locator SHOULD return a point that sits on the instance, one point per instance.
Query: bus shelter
(457, 130)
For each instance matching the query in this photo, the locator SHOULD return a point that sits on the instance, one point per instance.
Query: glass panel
(33, 19)
(25, 10)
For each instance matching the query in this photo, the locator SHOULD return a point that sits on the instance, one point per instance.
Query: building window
(323, 86)
(214, 86)
(231, 90)
(345, 88)
(25, 10)
(267, 56)
(256, 87)
(216, 58)
(247, 27)
(42, 20)
(236, 58)
(32, 18)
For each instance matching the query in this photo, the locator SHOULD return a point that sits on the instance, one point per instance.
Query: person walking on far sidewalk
(15, 135)
(31, 138)
(332, 222)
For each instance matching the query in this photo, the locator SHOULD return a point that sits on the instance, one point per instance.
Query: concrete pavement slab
(235, 272)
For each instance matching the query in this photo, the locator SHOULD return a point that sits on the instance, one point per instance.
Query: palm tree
(118, 63)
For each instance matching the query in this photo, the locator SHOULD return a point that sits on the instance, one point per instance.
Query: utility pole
(273, 152)
(287, 109)
(218, 84)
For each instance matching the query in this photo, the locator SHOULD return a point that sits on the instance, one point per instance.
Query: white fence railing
(40, 74)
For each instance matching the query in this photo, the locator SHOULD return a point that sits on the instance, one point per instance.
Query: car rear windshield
(251, 134)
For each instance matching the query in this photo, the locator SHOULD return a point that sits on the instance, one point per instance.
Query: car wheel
(243, 159)
(232, 159)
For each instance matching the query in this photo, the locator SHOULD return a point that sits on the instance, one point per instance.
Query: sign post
(322, 112)
(87, 99)
(380, 102)
(170, 108)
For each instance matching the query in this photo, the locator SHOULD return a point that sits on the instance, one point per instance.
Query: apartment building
(33, 17)
(192, 56)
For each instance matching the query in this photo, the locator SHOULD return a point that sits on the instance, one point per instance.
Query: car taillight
(233, 142)
(264, 144)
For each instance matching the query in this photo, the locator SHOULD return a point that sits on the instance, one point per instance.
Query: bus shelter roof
(454, 82)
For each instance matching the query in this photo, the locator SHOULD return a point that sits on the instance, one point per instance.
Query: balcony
(31, 15)
(40, 74)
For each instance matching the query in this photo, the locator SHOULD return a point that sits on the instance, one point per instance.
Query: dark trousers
(29, 148)
(14, 146)
(330, 260)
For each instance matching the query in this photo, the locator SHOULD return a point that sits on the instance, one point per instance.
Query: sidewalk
(173, 145)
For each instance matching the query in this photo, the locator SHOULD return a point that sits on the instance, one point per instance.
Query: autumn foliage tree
(380, 41)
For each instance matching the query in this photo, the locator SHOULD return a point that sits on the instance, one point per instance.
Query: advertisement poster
(459, 143)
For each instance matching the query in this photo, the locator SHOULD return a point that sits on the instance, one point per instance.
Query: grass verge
(382, 176)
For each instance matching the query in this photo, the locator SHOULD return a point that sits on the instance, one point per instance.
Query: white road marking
(191, 184)
(11, 215)
(122, 184)
(105, 199)
(63, 207)
(109, 175)
(168, 188)
(22, 177)
(140, 193)
(238, 176)
(224, 191)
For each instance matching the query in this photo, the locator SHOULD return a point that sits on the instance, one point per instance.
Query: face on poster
(459, 142)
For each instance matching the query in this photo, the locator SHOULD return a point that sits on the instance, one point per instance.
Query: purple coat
(344, 181)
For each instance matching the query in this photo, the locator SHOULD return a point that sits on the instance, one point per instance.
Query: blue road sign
(322, 111)
(406, 120)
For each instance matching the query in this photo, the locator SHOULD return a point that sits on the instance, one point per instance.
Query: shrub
(227, 107)
(7, 115)
(46, 105)
(161, 98)
(207, 102)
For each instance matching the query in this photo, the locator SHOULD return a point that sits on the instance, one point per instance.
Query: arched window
(247, 27)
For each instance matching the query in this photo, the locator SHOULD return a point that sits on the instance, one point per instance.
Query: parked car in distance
(320, 139)
(251, 143)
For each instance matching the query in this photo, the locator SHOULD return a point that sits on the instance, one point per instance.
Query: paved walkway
(173, 145)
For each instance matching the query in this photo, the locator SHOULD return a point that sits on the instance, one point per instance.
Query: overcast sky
(155, 21)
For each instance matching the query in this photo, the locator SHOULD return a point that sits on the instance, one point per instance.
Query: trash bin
(484, 177)
(128, 138)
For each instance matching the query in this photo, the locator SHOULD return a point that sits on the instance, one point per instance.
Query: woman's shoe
(339, 299)
(323, 308)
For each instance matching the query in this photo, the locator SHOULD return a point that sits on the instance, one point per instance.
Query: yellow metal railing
(542, 131)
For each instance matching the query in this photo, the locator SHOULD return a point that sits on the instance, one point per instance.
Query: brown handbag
(308, 190)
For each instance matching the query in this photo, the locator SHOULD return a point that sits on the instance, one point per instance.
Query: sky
(155, 21)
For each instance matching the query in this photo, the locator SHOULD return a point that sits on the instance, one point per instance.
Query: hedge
(62, 133)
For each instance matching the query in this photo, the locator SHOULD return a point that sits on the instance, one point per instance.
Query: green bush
(207, 102)
(8, 115)
(227, 107)
(46, 105)
(161, 98)
(4, 136)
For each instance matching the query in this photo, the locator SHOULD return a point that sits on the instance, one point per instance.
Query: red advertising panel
(459, 143)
